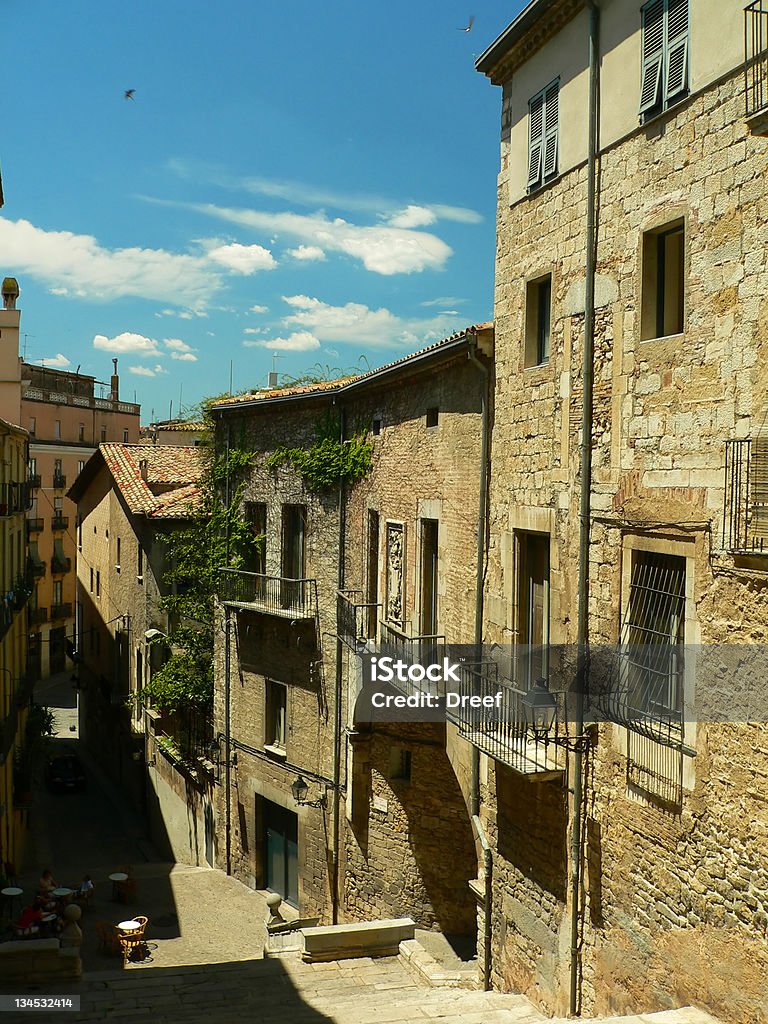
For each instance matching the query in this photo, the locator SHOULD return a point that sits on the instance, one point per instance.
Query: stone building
(393, 555)
(128, 498)
(630, 293)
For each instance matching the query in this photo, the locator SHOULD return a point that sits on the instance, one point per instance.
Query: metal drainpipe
(479, 605)
(337, 721)
(227, 744)
(585, 504)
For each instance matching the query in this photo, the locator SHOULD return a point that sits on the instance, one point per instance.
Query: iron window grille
(756, 57)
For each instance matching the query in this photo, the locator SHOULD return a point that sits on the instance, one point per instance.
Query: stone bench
(352, 941)
(37, 960)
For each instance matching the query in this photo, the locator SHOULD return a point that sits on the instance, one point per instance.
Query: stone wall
(675, 845)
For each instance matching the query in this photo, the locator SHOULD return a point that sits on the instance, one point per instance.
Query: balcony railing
(35, 481)
(356, 621)
(61, 564)
(422, 649)
(15, 498)
(501, 730)
(756, 57)
(13, 601)
(271, 595)
(34, 525)
(82, 401)
(745, 516)
(59, 522)
(38, 569)
(38, 616)
(59, 480)
(61, 611)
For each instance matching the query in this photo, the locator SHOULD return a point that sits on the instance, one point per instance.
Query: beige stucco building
(630, 224)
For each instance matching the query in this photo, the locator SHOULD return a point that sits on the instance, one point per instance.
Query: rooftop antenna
(230, 378)
(25, 343)
(181, 391)
(170, 411)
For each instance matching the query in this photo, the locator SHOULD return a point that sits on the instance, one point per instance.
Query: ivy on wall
(328, 461)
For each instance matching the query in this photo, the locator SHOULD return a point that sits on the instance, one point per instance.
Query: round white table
(129, 926)
(116, 878)
(61, 892)
(11, 891)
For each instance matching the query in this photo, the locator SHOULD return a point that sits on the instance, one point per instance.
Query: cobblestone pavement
(287, 991)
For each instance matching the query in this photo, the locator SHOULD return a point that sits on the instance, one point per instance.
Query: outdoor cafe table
(11, 891)
(129, 926)
(116, 878)
(62, 892)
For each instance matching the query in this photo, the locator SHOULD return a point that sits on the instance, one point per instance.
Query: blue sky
(316, 181)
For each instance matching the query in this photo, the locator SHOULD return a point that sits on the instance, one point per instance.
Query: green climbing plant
(328, 461)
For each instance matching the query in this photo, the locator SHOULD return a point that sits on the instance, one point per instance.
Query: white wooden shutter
(652, 54)
(535, 139)
(551, 105)
(677, 48)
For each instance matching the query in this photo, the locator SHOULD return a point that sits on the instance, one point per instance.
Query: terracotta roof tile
(333, 385)
(171, 488)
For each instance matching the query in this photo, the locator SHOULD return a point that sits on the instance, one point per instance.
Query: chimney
(115, 382)
(10, 292)
(143, 469)
(272, 380)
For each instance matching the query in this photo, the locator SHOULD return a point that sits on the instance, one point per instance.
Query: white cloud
(306, 253)
(77, 265)
(127, 342)
(59, 361)
(254, 330)
(145, 371)
(177, 344)
(259, 309)
(355, 323)
(185, 357)
(243, 259)
(445, 300)
(299, 341)
(412, 217)
(381, 249)
(311, 195)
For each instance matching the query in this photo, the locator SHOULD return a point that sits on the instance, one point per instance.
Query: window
(103, 434)
(57, 429)
(663, 282)
(276, 696)
(532, 608)
(293, 553)
(543, 120)
(57, 592)
(652, 636)
(32, 425)
(81, 432)
(400, 764)
(433, 416)
(34, 554)
(80, 465)
(376, 427)
(256, 516)
(428, 610)
(538, 321)
(664, 55)
(125, 437)
(372, 575)
(33, 467)
(139, 675)
(139, 563)
(117, 563)
(91, 585)
(98, 583)
(57, 467)
(58, 506)
(79, 534)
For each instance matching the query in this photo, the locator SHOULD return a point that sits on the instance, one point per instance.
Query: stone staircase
(284, 990)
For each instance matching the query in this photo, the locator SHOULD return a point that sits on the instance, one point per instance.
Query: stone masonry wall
(677, 869)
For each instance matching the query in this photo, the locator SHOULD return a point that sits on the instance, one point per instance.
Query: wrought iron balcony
(15, 498)
(61, 564)
(38, 569)
(38, 616)
(745, 516)
(502, 731)
(355, 620)
(59, 522)
(422, 649)
(35, 481)
(756, 61)
(271, 595)
(13, 601)
(59, 480)
(34, 525)
(61, 611)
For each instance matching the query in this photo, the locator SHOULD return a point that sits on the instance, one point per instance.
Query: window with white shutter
(665, 34)
(543, 127)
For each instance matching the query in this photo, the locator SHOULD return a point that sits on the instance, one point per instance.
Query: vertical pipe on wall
(584, 504)
(227, 746)
(337, 700)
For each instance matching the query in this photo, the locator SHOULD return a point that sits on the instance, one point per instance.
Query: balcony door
(428, 609)
(293, 565)
(533, 608)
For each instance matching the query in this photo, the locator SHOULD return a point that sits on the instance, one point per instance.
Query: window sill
(279, 753)
(139, 579)
(665, 337)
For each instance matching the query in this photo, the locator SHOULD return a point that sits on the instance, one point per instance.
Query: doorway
(281, 854)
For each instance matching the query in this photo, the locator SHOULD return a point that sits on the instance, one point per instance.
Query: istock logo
(385, 670)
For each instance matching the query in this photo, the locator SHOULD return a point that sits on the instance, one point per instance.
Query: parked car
(64, 774)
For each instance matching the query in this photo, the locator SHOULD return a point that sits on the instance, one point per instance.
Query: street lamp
(539, 709)
(300, 789)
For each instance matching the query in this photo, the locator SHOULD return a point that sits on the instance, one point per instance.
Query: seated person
(29, 920)
(47, 883)
(84, 892)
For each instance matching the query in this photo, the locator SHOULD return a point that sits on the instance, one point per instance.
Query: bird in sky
(469, 25)
(129, 93)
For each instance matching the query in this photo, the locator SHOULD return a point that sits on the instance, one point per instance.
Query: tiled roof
(334, 385)
(173, 472)
(195, 426)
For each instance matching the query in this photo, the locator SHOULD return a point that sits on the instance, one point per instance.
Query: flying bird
(129, 93)
(469, 25)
